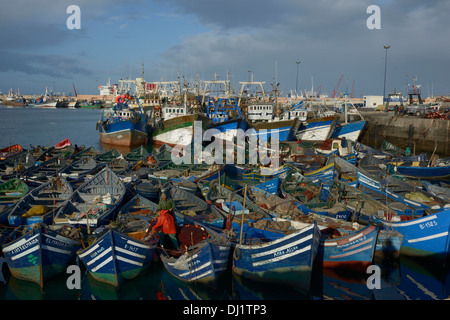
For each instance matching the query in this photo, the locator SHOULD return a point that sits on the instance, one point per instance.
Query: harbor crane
(337, 87)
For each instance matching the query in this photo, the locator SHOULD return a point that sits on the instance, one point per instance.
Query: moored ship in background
(123, 125)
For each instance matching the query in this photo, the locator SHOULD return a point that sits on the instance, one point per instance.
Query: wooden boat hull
(425, 237)
(79, 169)
(388, 187)
(288, 259)
(286, 129)
(116, 257)
(204, 264)
(355, 251)
(424, 172)
(149, 190)
(351, 131)
(178, 131)
(40, 255)
(319, 129)
(94, 203)
(12, 191)
(10, 151)
(126, 136)
(229, 129)
(52, 195)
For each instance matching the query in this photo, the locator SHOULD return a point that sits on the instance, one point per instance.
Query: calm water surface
(405, 280)
(46, 127)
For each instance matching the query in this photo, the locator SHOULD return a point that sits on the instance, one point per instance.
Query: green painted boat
(86, 153)
(108, 156)
(12, 190)
(137, 154)
(305, 191)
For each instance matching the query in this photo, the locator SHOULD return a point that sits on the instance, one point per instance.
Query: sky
(239, 38)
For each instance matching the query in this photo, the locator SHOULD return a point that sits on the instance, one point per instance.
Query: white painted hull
(180, 137)
(317, 133)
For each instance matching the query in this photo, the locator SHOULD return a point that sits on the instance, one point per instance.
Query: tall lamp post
(296, 83)
(385, 66)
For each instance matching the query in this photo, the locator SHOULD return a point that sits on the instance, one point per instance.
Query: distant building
(372, 102)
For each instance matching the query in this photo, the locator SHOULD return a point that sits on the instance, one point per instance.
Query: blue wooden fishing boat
(353, 123)
(42, 253)
(95, 202)
(290, 206)
(310, 194)
(267, 172)
(277, 257)
(425, 237)
(202, 261)
(41, 204)
(284, 130)
(115, 256)
(228, 130)
(350, 130)
(399, 190)
(192, 209)
(354, 251)
(282, 216)
(271, 186)
(420, 172)
(324, 174)
(377, 190)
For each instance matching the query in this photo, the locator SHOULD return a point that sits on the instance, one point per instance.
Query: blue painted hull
(285, 129)
(115, 257)
(40, 255)
(350, 131)
(271, 186)
(287, 259)
(424, 172)
(354, 251)
(231, 125)
(125, 133)
(423, 237)
(203, 263)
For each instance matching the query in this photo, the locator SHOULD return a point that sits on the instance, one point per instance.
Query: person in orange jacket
(166, 225)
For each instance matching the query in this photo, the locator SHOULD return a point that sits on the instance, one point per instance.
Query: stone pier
(420, 134)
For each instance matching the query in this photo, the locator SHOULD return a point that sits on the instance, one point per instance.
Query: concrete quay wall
(420, 134)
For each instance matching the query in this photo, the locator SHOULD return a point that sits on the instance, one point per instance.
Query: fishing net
(191, 235)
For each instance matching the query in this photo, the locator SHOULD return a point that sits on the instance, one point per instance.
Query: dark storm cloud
(51, 65)
(329, 37)
(31, 29)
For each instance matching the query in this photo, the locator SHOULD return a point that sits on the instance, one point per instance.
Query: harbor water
(402, 279)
